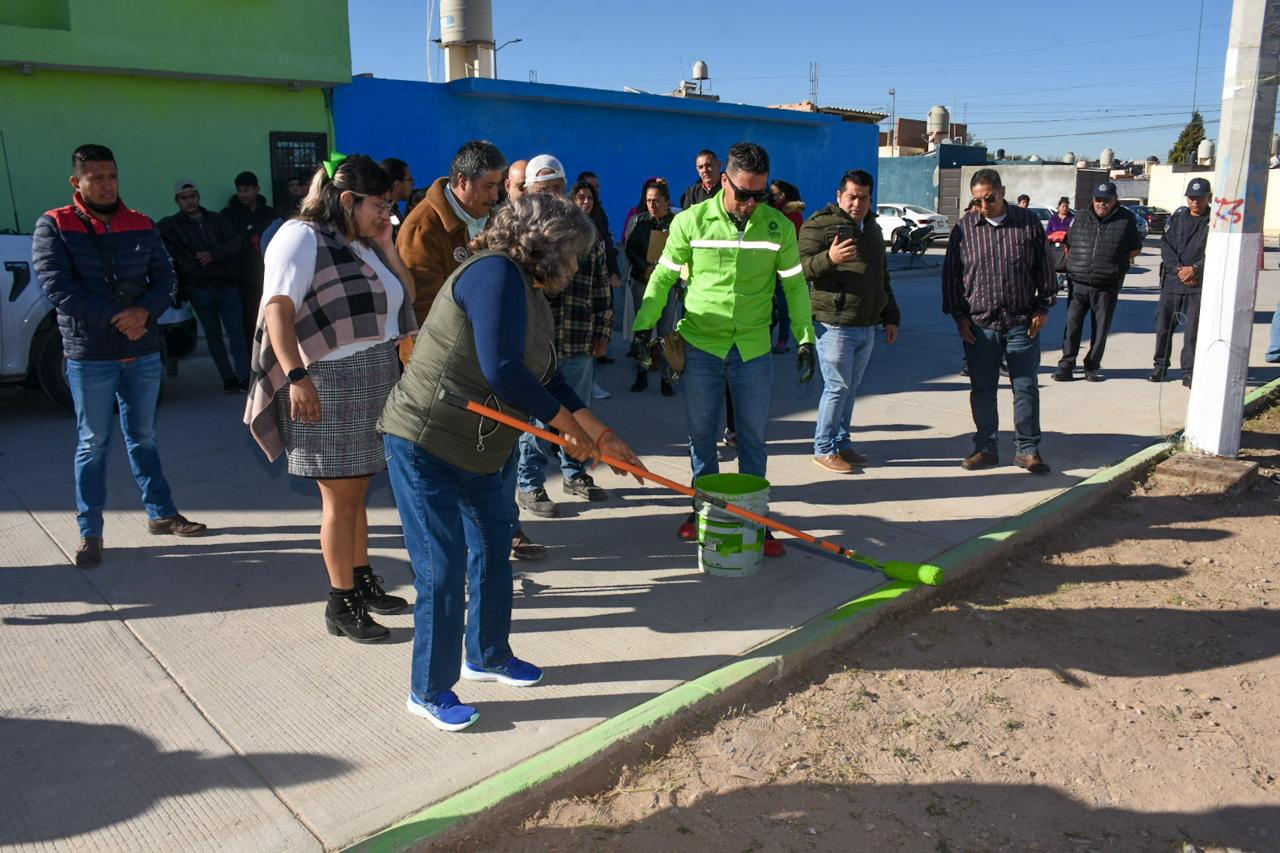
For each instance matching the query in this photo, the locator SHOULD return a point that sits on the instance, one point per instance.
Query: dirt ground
(1114, 688)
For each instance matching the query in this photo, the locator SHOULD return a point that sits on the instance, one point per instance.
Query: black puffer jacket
(857, 292)
(1100, 248)
(89, 280)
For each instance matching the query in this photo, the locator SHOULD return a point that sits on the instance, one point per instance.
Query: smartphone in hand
(843, 233)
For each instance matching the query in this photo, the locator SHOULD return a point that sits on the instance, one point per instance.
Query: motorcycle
(910, 238)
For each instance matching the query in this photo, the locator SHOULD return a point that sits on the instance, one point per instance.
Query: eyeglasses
(384, 207)
(748, 195)
(989, 198)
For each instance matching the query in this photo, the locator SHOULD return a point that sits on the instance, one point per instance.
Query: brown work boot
(852, 456)
(89, 554)
(834, 463)
(178, 525)
(522, 548)
(980, 459)
(1032, 462)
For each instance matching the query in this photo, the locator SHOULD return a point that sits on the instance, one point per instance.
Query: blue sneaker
(514, 672)
(446, 712)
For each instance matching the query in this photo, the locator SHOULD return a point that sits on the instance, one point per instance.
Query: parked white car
(30, 344)
(891, 215)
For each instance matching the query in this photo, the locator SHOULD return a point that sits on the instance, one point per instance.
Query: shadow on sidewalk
(62, 779)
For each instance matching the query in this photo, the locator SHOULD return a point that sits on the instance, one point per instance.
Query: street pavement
(185, 694)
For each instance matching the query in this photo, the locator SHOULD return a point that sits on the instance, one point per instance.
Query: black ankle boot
(375, 598)
(347, 616)
(642, 380)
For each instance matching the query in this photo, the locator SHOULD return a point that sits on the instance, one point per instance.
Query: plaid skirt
(352, 392)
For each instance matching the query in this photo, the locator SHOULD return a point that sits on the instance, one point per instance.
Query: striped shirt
(999, 276)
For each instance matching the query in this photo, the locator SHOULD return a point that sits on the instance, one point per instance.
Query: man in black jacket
(104, 268)
(1181, 277)
(205, 248)
(1100, 245)
(708, 166)
(842, 254)
(250, 214)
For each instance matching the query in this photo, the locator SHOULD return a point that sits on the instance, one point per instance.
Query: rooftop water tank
(700, 71)
(1069, 157)
(939, 122)
(466, 22)
(1204, 152)
(1107, 158)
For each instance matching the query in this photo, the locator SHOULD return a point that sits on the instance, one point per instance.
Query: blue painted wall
(624, 138)
(909, 180)
(914, 180)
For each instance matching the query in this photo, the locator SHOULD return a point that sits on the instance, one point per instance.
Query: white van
(30, 344)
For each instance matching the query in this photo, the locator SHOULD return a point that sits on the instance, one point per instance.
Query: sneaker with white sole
(446, 713)
(515, 672)
(598, 393)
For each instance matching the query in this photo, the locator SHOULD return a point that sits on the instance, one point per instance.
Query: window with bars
(294, 155)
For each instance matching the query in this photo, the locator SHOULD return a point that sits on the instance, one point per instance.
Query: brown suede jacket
(433, 243)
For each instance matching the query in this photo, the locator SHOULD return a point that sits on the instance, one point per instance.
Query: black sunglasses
(748, 195)
(990, 198)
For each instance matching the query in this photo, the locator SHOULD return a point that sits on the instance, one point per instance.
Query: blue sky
(1041, 78)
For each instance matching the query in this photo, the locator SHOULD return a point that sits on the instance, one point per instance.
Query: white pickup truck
(30, 345)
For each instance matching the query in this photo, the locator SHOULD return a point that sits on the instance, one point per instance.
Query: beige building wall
(1168, 187)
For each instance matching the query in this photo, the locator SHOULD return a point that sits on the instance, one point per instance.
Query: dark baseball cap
(1198, 187)
(1106, 189)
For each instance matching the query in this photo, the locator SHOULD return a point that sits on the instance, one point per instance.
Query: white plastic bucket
(728, 544)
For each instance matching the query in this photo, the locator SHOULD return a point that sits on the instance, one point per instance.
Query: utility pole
(1215, 411)
(893, 121)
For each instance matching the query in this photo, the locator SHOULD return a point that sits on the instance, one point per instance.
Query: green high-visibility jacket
(731, 279)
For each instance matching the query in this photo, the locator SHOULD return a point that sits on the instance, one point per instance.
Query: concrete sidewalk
(185, 695)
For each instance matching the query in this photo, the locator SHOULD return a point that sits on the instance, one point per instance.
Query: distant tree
(1184, 150)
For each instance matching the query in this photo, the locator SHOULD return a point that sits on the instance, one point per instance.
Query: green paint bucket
(728, 544)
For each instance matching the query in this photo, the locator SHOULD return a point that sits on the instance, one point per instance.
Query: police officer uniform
(1183, 245)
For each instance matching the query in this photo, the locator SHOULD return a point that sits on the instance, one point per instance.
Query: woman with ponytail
(336, 297)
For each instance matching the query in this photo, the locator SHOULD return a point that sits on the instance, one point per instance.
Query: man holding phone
(842, 254)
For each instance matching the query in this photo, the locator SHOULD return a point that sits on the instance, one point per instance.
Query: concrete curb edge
(963, 562)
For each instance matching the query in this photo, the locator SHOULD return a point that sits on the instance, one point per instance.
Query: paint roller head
(915, 572)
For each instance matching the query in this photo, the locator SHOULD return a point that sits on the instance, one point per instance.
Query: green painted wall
(161, 130)
(303, 40)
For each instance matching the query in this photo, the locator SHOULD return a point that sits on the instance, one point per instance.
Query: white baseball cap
(540, 164)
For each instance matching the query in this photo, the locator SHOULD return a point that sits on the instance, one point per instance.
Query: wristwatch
(297, 374)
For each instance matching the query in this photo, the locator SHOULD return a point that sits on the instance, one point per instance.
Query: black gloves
(640, 348)
(806, 361)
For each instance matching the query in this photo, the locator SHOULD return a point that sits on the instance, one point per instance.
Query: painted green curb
(577, 749)
(581, 747)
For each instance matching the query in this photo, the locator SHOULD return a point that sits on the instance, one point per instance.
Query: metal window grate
(294, 155)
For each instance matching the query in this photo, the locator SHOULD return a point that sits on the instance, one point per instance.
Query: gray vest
(445, 355)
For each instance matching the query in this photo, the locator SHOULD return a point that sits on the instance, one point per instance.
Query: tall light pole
(1215, 411)
(893, 119)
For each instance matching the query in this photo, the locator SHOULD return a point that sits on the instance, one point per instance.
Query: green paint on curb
(570, 753)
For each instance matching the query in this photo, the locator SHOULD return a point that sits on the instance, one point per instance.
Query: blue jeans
(457, 532)
(843, 355)
(1273, 348)
(508, 475)
(579, 372)
(219, 308)
(96, 387)
(1022, 353)
(750, 383)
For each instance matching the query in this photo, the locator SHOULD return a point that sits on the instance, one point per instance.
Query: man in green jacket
(735, 246)
(842, 253)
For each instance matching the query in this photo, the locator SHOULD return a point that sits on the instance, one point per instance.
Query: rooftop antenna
(813, 82)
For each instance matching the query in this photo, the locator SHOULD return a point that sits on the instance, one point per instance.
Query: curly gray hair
(543, 233)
